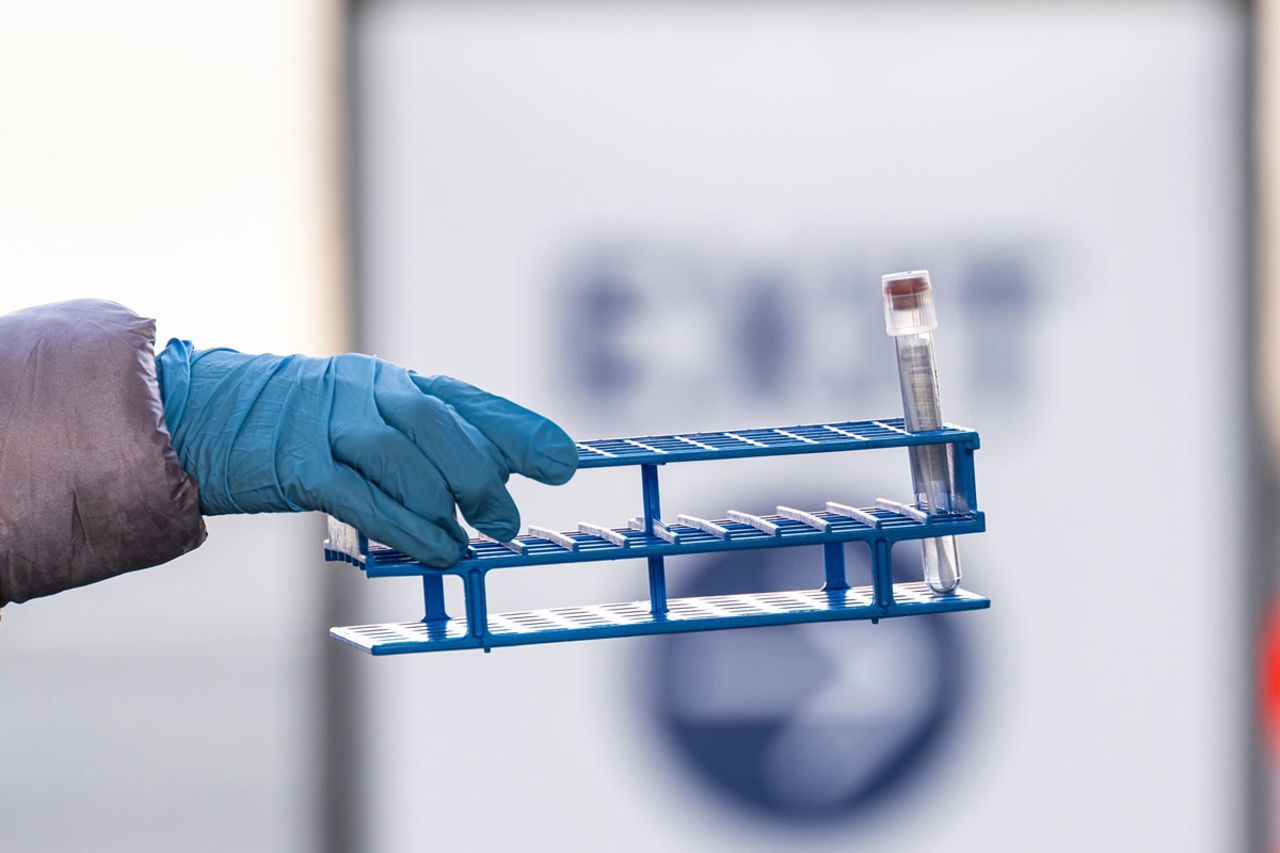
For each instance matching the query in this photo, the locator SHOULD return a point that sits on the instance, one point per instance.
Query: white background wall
(176, 158)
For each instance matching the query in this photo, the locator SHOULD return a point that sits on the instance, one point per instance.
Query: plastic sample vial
(910, 318)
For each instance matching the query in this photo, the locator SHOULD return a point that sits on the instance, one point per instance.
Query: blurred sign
(650, 217)
(808, 724)
(728, 331)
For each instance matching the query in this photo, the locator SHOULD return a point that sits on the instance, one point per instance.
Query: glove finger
(533, 445)
(350, 498)
(475, 477)
(393, 463)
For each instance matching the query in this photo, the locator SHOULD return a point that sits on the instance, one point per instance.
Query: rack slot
(869, 519)
(716, 530)
(819, 524)
(514, 546)
(605, 533)
(911, 512)
(761, 524)
(563, 540)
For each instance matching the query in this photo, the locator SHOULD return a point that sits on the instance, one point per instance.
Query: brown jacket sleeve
(90, 486)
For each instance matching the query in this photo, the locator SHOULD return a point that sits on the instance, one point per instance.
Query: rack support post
(433, 598)
(966, 491)
(833, 563)
(652, 513)
(882, 573)
(477, 609)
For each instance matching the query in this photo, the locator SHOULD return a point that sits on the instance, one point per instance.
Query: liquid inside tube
(910, 319)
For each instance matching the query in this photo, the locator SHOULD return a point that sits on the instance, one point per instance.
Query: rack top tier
(772, 441)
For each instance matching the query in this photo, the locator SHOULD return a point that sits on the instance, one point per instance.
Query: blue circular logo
(807, 724)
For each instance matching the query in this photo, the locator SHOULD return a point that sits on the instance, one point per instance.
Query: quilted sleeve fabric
(90, 486)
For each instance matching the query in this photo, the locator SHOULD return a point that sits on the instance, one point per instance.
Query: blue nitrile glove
(372, 444)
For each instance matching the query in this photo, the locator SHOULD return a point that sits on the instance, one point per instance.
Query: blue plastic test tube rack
(649, 538)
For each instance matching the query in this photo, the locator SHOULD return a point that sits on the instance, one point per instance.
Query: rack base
(633, 619)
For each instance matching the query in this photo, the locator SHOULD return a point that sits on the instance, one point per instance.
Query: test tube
(910, 318)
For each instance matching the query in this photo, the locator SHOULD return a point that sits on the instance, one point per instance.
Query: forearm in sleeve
(90, 486)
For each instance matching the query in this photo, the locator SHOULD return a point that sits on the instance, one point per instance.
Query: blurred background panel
(178, 158)
(650, 217)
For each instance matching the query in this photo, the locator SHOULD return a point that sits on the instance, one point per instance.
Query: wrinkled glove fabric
(375, 445)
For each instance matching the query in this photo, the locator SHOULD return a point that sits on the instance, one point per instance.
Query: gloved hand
(372, 444)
